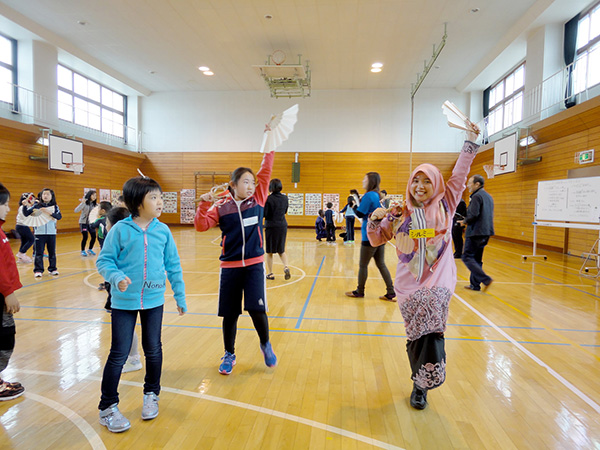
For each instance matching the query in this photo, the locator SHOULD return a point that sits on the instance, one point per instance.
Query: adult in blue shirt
(369, 203)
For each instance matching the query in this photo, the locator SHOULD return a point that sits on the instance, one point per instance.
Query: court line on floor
(237, 404)
(90, 434)
(309, 294)
(537, 360)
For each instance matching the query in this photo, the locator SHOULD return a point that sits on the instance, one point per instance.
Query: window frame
(96, 103)
(582, 54)
(500, 106)
(13, 68)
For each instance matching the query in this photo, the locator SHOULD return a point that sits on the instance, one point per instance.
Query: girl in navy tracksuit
(45, 235)
(240, 217)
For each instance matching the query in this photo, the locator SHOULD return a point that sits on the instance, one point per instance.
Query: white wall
(329, 121)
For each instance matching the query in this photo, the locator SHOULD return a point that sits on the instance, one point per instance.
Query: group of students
(425, 275)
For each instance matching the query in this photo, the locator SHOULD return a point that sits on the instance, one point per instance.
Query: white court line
(71, 415)
(224, 401)
(551, 371)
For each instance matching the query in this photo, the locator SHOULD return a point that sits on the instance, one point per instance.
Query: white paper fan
(281, 126)
(93, 214)
(36, 219)
(456, 118)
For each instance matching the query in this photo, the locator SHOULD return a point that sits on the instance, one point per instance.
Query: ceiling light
(377, 65)
(474, 10)
(268, 16)
(83, 23)
(376, 69)
(208, 73)
(529, 140)
(203, 68)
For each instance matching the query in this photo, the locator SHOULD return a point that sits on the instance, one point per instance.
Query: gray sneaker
(112, 419)
(150, 408)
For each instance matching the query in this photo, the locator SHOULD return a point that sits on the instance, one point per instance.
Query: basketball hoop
(77, 167)
(491, 168)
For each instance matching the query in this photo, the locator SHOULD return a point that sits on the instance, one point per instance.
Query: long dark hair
(88, 197)
(373, 181)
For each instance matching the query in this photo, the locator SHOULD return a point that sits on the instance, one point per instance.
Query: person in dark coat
(480, 226)
(458, 228)
(276, 228)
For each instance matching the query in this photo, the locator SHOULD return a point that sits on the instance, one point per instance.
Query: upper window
(8, 69)
(87, 103)
(587, 61)
(506, 101)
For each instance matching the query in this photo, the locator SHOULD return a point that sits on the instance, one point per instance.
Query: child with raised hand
(88, 202)
(45, 235)
(426, 272)
(27, 238)
(240, 219)
(136, 254)
(9, 305)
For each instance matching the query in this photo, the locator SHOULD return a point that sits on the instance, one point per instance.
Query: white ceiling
(128, 39)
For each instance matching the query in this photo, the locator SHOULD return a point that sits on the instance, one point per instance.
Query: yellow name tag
(423, 233)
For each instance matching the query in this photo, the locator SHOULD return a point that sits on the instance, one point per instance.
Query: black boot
(418, 398)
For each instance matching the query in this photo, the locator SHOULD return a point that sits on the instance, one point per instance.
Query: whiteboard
(572, 200)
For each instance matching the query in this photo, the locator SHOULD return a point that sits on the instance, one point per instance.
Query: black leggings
(261, 324)
(84, 232)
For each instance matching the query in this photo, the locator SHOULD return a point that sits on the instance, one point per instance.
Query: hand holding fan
(457, 119)
(279, 128)
(36, 219)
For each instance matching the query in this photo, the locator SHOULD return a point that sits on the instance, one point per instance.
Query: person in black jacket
(276, 228)
(480, 226)
(458, 228)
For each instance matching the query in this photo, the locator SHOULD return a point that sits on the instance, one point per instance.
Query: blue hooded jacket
(143, 256)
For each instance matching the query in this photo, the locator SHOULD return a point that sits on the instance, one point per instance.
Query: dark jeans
(84, 233)
(122, 327)
(457, 239)
(473, 258)
(330, 228)
(48, 241)
(378, 253)
(27, 238)
(350, 228)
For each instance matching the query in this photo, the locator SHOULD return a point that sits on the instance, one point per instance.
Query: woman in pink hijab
(426, 272)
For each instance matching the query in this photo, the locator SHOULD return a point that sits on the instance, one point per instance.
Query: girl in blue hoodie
(136, 254)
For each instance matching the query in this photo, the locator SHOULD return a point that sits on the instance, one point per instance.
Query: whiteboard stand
(534, 255)
(592, 255)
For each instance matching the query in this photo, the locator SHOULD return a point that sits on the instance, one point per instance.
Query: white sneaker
(38, 274)
(22, 257)
(54, 273)
(150, 408)
(112, 419)
(132, 364)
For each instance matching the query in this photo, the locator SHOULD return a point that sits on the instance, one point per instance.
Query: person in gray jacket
(480, 226)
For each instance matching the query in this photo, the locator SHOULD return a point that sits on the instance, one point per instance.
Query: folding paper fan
(94, 214)
(456, 118)
(281, 126)
(36, 219)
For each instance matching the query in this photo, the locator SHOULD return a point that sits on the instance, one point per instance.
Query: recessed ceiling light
(268, 16)
(208, 72)
(375, 69)
(203, 68)
(83, 23)
(377, 64)
(151, 72)
(474, 10)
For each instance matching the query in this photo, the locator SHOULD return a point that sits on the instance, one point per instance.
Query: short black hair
(52, 201)
(134, 191)
(321, 213)
(116, 215)
(384, 192)
(478, 179)
(329, 205)
(275, 186)
(4, 195)
(106, 206)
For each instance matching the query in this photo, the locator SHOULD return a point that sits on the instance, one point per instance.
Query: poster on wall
(396, 199)
(312, 204)
(188, 210)
(114, 196)
(104, 195)
(169, 202)
(333, 198)
(295, 204)
(86, 190)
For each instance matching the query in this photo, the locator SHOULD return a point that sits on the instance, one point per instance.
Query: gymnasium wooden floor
(523, 360)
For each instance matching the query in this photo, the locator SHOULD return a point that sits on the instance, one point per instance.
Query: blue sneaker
(267, 351)
(91, 252)
(83, 253)
(228, 362)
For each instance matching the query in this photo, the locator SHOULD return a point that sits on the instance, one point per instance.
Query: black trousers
(473, 258)
(48, 241)
(261, 324)
(457, 239)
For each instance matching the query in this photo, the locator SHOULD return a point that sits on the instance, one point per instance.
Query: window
(586, 72)
(8, 70)
(506, 101)
(89, 104)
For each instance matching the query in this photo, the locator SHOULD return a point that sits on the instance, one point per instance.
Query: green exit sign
(586, 157)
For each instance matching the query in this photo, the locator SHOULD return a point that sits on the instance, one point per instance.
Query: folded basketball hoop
(77, 167)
